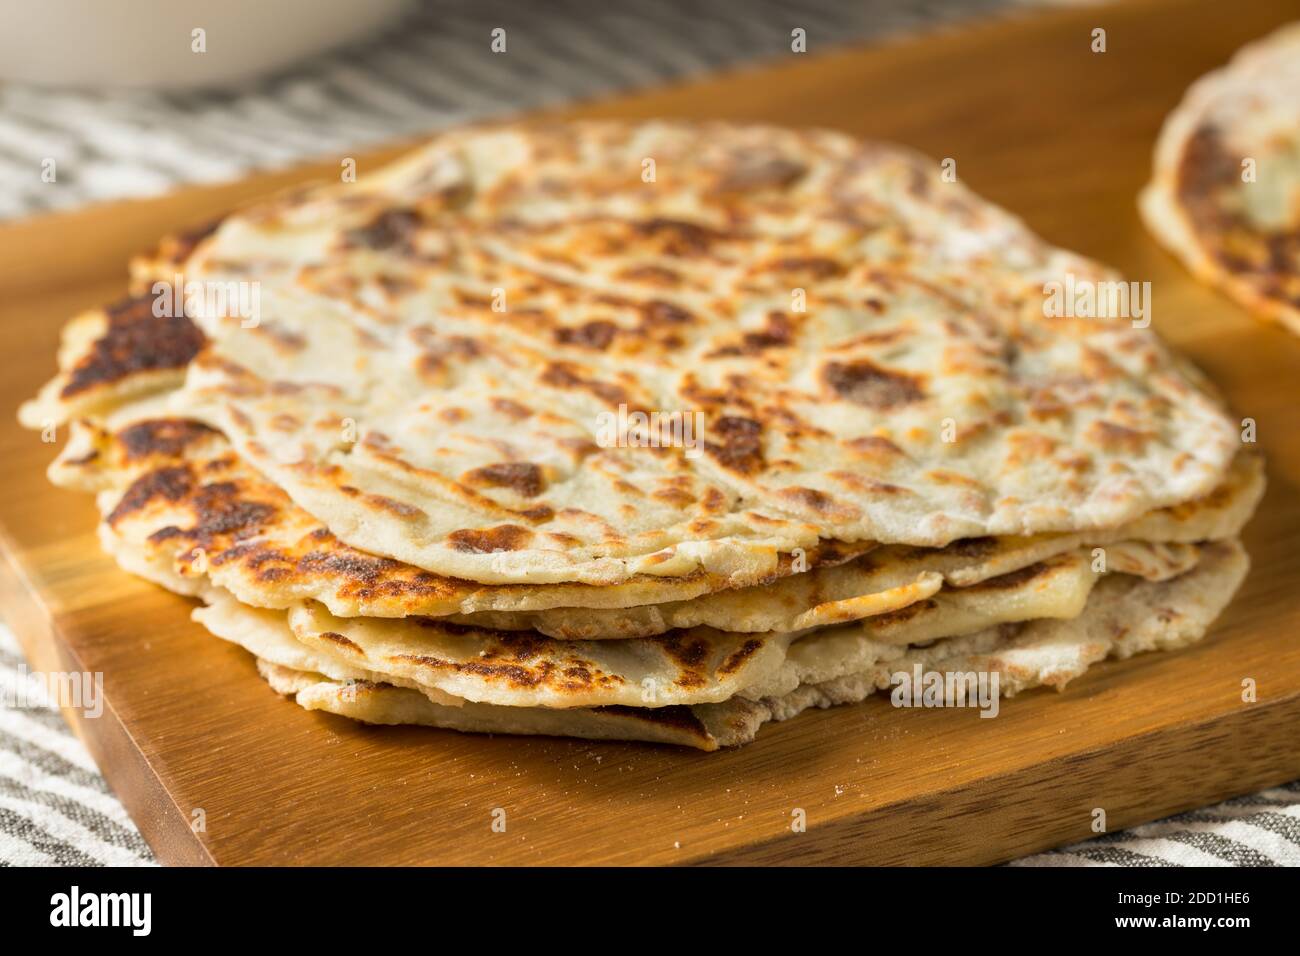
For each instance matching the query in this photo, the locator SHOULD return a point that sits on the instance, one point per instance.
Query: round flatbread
(1225, 191)
(589, 352)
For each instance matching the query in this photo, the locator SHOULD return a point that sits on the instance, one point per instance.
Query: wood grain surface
(1036, 122)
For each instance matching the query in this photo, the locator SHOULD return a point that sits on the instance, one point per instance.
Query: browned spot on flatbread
(564, 375)
(689, 652)
(170, 484)
(652, 274)
(520, 667)
(857, 482)
(1219, 498)
(164, 437)
(522, 477)
(1209, 176)
(503, 537)
(739, 446)
(516, 675)
(1207, 168)
(220, 511)
(864, 383)
(874, 447)
(440, 355)
(778, 332)
(828, 551)
(974, 547)
(222, 463)
(1014, 579)
(595, 335)
(1118, 438)
(391, 228)
(811, 498)
(751, 175)
(1169, 615)
(677, 716)
(657, 312)
(511, 409)
(363, 575)
(339, 640)
(135, 341)
(399, 508)
(354, 687)
(820, 503)
(395, 286)
(677, 237)
(818, 267)
(283, 339)
(738, 657)
(902, 614)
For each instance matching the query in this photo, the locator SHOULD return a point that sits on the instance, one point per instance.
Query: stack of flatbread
(653, 432)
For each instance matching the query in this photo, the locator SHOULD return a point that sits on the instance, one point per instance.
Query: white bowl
(149, 43)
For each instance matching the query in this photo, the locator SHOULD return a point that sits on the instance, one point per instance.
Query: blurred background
(129, 100)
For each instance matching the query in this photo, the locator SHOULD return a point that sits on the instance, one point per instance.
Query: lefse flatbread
(396, 486)
(1125, 616)
(1225, 189)
(866, 346)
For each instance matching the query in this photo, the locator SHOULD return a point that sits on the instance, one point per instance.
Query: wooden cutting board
(1036, 122)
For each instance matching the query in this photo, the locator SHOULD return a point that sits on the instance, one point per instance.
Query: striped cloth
(1262, 829)
(433, 70)
(429, 72)
(55, 809)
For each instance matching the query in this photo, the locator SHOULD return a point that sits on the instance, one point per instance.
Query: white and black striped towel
(432, 71)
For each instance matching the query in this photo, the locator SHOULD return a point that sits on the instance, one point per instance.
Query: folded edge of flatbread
(1125, 616)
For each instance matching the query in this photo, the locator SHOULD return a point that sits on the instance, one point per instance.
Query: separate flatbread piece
(445, 350)
(700, 665)
(174, 493)
(112, 356)
(180, 501)
(1125, 616)
(1225, 190)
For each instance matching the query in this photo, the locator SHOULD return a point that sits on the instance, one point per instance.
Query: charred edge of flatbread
(1260, 261)
(374, 703)
(230, 512)
(135, 341)
(171, 252)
